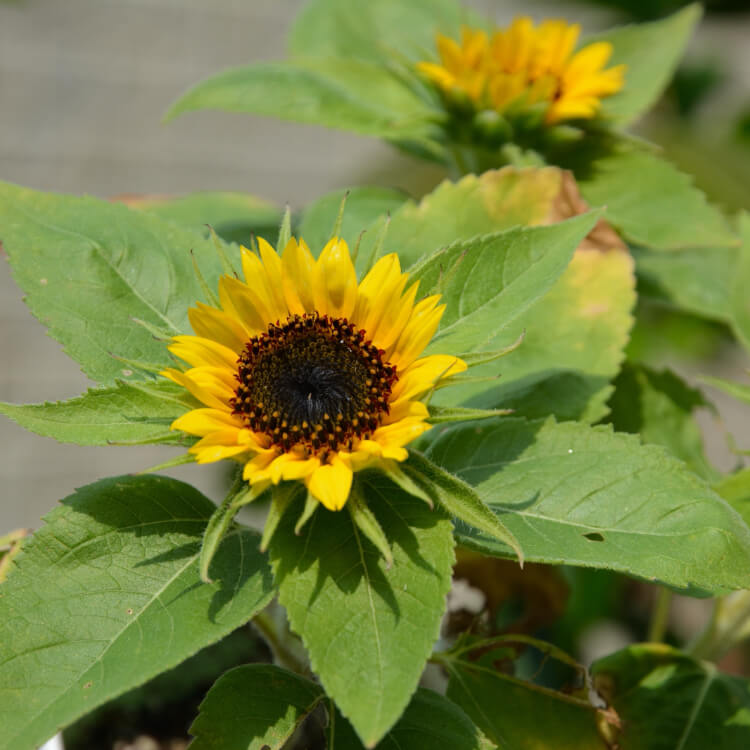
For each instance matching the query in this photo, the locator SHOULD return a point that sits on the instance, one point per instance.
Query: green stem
(660, 616)
(728, 627)
(287, 649)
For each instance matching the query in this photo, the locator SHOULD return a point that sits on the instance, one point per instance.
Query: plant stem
(657, 628)
(287, 648)
(728, 627)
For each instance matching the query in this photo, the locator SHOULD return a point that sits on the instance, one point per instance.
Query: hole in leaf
(594, 536)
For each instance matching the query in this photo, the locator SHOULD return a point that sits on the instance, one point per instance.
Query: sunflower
(304, 374)
(524, 66)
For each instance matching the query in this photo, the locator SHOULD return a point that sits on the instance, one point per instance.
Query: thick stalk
(657, 628)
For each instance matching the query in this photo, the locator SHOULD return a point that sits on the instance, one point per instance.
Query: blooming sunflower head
(305, 374)
(524, 67)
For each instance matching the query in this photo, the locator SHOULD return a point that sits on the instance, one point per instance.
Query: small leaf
(107, 595)
(496, 277)
(366, 522)
(253, 707)
(217, 527)
(517, 713)
(669, 214)
(125, 412)
(697, 706)
(357, 618)
(461, 501)
(474, 359)
(651, 52)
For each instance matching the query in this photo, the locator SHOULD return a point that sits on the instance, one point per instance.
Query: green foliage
(739, 294)
(668, 214)
(89, 267)
(368, 628)
(234, 216)
(651, 52)
(363, 206)
(574, 345)
(588, 496)
(123, 413)
(374, 31)
(257, 706)
(462, 210)
(696, 705)
(659, 407)
(496, 277)
(514, 712)
(330, 92)
(695, 281)
(107, 595)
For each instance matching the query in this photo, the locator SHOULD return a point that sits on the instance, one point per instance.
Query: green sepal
(220, 522)
(366, 522)
(184, 458)
(160, 334)
(311, 505)
(226, 264)
(443, 414)
(461, 501)
(205, 288)
(285, 231)
(408, 484)
(281, 497)
(473, 359)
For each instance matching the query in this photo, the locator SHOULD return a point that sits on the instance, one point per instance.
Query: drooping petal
(330, 484)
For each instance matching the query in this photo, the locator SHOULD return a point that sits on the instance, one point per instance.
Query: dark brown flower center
(313, 381)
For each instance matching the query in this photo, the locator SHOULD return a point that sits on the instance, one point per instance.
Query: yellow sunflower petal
(297, 269)
(211, 323)
(423, 373)
(330, 484)
(273, 279)
(199, 350)
(417, 333)
(244, 306)
(253, 470)
(335, 281)
(206, 391)
(203, 422)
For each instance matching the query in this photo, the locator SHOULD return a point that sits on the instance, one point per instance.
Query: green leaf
(651, 52)
(461, 501)
(368, 629)
(519, 714)
(253, 707)
(652, 203)
(696, 281)
(234, 216)
(578, 495)
(668, 701)
(258, 705)
(574, 345)
(659, 407)
(375, 31)
(495, 278)
(740, 288)
(364, 519)
(124, 413)
(330, 92)
(363, 206)
(88, 267)
(740, 391)
(735, 489)
(475, 205)
(430, 721)
(107, 595)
